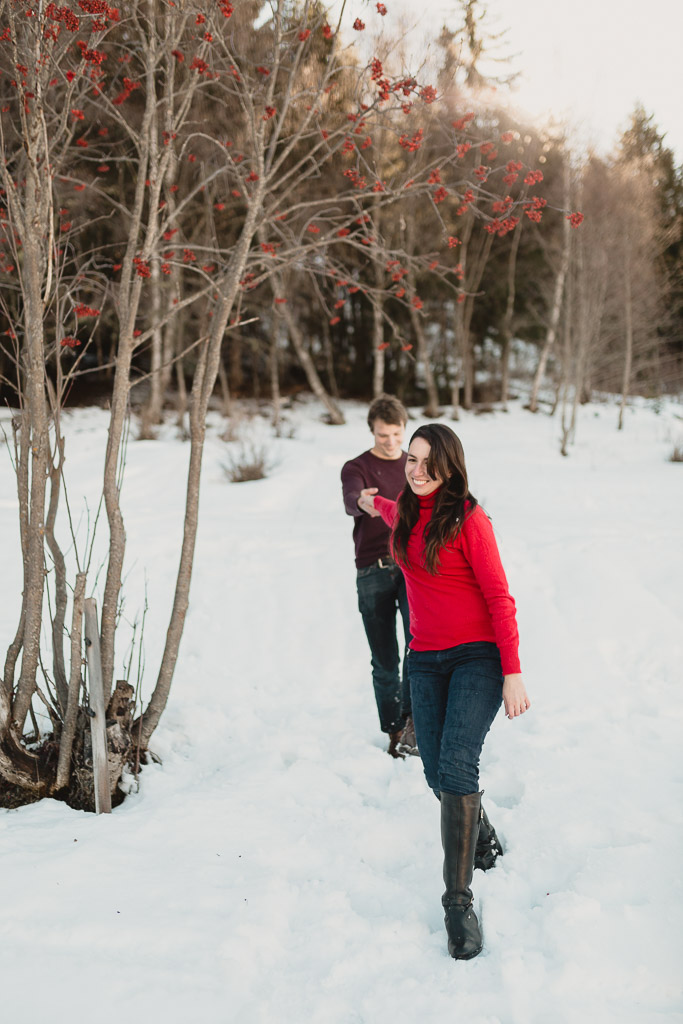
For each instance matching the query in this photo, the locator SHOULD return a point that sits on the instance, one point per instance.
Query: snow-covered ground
(278, 866)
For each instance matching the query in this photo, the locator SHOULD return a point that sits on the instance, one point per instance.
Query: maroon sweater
(468, 599)
(370, 534)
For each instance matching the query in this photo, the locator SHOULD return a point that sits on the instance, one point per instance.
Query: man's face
(388, 439)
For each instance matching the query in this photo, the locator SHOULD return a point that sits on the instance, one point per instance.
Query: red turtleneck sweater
(468, 599)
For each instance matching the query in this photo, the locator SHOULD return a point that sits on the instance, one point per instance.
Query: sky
(587, 63)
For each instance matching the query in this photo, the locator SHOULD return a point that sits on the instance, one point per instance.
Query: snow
(278, 866)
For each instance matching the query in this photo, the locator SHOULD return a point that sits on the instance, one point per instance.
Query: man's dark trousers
(381, 593)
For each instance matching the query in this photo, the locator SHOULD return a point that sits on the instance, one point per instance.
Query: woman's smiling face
(419, 480)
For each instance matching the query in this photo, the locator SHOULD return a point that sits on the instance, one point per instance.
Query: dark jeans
(381, 592)
(456, 694)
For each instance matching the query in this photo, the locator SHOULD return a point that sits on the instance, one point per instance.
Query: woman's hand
(366, 501)
(515, 696)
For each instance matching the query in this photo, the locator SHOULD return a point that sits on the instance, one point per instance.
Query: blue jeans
(381, 593)
(456, 694)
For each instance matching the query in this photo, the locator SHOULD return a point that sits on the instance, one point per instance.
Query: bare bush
(251, 461)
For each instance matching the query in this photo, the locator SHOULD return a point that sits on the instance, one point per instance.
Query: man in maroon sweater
(380, 583)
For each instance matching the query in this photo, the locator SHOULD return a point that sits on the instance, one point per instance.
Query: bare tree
(556, 301)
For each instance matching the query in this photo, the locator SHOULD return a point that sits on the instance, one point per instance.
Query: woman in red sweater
(463, 661)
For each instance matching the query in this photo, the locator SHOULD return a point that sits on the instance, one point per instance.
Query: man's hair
(388, 409)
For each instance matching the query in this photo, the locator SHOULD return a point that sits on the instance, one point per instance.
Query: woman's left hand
(515, 696)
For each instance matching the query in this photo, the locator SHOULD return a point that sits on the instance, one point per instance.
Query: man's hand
(515, 696)
(366, 501)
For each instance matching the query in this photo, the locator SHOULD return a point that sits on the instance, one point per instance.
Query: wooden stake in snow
(98, 725)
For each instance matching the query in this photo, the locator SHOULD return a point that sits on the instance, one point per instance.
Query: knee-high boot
(459, 831)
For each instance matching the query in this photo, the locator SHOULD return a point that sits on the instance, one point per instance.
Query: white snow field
(278, 867)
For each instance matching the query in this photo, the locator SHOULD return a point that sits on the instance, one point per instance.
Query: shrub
(249, 462)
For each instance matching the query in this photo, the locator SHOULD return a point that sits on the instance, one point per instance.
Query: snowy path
(280, 867)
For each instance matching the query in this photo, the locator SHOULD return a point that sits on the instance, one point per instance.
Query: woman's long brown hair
(453, 501)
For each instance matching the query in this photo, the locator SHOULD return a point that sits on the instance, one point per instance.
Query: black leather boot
(488, 847)
(459, 832)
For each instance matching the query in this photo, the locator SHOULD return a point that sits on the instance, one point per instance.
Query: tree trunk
(335, 414)
(111, 491)
(226, 400)
(432, 405)
(329, 359)
(236, 369)
(468, 370)
(378, 350)
(146, 201)
(274, 367)
(456, 381)
(628, 357)
(71, 708)
(151, 413)
(506, 333)
(181, 402)
(570, 320)
(59, 613)
(423, 354)
(32, 214)
(558, 294)
(378, 360)
(472, 272)
(202, 389)
(36, 404)
(551, 333)
(21, 432)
